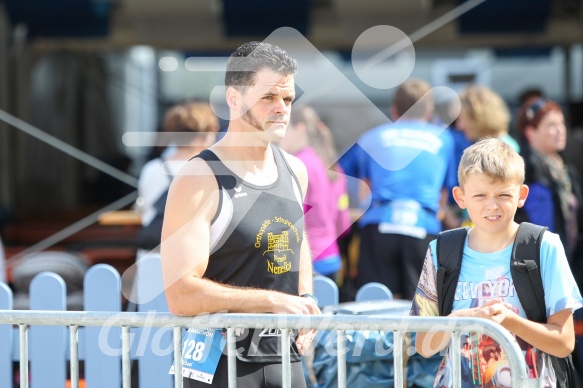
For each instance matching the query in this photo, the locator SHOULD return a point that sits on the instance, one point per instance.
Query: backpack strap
(524, 268)
(450, 251)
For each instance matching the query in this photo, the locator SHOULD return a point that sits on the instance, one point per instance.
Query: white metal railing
(398, 325)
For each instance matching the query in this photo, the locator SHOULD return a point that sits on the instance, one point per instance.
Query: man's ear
(523, 194)
(458, 195)
(233, 97)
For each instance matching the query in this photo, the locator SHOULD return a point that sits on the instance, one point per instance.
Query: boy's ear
(458, 195)
(523, 194)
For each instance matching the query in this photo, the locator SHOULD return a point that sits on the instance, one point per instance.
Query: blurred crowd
(399, 175)
(405, 171)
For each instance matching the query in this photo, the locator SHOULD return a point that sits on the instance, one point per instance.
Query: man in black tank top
(233, 237)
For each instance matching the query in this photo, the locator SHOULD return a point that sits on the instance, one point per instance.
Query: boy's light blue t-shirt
(484, 276)
(487, 275)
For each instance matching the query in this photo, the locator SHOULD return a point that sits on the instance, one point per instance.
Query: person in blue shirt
(409, 166)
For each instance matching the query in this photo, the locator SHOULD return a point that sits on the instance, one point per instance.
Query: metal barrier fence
(398, 325)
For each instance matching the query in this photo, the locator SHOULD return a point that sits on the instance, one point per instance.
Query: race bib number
(403, 217)
(201, 351)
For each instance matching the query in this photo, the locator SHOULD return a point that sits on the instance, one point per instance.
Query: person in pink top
(326, 204)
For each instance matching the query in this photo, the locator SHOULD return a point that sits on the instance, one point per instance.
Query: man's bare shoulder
(194, 177)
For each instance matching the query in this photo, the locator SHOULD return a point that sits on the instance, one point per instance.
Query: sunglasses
(533, 109)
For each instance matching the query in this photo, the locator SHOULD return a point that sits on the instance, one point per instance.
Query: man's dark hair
(251, 57)
(530, 95)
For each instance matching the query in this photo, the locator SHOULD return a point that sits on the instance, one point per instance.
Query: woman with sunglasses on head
(555, 191)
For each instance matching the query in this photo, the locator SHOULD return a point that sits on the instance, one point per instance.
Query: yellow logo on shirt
(278, 244)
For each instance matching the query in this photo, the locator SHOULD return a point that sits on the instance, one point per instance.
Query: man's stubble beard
(250, 119)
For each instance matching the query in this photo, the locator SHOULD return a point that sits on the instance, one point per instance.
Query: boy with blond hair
(491, 177)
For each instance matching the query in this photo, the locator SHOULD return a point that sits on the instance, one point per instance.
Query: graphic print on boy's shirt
(484, 364)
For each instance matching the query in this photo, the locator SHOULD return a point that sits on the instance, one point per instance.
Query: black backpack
(524, 268)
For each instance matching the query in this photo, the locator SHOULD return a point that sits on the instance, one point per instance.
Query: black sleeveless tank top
(256, 237)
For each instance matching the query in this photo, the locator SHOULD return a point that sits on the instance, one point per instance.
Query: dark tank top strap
(283, 169)
(225, 179)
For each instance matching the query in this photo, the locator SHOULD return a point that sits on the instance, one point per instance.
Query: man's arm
(306, 285)
(192, 203)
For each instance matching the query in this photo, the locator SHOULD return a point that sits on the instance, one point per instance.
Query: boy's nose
(492, 203)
